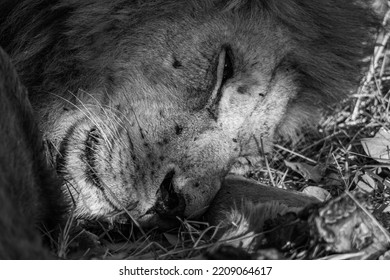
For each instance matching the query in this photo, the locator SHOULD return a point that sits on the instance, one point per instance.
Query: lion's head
(145, 105)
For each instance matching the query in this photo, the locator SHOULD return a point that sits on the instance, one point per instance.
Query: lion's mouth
(89, 154)
(91, 145)
(79, 162)
(63, 150)
(91, 160)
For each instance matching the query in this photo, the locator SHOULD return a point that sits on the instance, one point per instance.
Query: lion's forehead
(183, 53)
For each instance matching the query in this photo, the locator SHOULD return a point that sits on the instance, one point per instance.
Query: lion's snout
(180, 196)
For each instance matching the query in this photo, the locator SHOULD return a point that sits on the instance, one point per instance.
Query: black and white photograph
(200, 130)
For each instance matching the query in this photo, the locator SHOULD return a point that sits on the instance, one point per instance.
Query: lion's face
(188, 96)
(145, 105)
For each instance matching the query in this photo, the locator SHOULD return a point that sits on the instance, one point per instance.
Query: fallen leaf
(171, 238)
(309, 172)
(366, 184)
(387, 209)
(364, 187)
(378, 147)
(333, 179)
(319, 193)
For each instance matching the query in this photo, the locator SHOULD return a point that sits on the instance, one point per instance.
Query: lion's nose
(170, 203)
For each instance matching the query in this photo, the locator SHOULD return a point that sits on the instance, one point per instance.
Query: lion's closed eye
(224, 72)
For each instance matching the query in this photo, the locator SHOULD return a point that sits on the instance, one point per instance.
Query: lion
(143, 106)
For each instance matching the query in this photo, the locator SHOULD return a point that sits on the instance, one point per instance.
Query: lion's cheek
(250, 114)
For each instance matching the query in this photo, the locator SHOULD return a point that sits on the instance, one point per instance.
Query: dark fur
(28, 190)
(57, 46)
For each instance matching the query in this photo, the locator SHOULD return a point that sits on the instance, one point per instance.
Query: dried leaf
(319, 193)
(364, 187)
(387, 209)
(378, 147)
(333, 179)
(171, 238)
(367, 184)
(309, 172)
